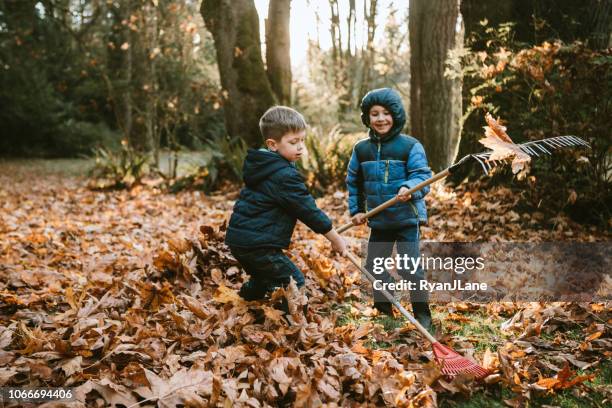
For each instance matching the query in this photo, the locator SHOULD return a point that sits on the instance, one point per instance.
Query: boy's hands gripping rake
(502, 151)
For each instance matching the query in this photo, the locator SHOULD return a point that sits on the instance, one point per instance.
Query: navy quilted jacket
(379, 167)
(273, 198)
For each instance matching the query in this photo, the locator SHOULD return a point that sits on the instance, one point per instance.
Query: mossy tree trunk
(278, 58)
(235, 29)
(435, 105)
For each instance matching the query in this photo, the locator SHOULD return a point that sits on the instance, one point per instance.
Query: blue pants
(406, 240)
(269, 268)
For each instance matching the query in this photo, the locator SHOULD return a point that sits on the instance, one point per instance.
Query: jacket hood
(391, 100)
(261, 164)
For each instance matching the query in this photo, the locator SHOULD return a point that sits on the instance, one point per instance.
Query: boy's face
(381, 120)
(291, 146)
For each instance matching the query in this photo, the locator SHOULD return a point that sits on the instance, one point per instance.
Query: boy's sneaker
(283, 306)
(384, 308)
(250, 292)
(423, 315)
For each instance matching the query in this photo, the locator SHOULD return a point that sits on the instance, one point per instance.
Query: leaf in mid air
(502, 146)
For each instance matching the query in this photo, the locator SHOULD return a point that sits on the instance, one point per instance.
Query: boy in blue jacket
(386, 164)
(273, 198)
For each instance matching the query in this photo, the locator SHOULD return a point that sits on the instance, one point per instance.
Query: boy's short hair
(280, 120)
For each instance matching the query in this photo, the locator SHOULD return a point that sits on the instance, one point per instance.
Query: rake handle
(391, 299)
(395, 200)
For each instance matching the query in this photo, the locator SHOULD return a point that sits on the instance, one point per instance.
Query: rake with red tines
(451, 362)
(503, 152)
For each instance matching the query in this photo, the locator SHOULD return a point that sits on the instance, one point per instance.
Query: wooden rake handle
(391, 299)
(395, 200)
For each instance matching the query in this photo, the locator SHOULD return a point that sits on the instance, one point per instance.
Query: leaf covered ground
(129, 297)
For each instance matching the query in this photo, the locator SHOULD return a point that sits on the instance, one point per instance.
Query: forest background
(124, 128)
(80, 77)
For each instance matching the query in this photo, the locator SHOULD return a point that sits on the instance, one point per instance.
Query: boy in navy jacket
(386, 164)
(273, 198)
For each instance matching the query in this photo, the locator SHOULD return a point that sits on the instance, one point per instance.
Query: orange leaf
(594, 336)
(548, 383)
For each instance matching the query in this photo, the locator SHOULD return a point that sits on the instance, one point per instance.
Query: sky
(303, 24)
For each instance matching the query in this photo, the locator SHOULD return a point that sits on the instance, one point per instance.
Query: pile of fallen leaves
(130, 298)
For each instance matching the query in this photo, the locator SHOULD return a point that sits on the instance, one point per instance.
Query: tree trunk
(151, 38)
(435, 108)
(127, 95)
(235, 29)
(368, 52)
(601, 25)
(278, 58)
(351, 22)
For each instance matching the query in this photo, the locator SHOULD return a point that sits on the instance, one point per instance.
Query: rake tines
(545, 146)
(452, 363)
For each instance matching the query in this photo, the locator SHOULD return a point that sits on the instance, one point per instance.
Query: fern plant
(118, 169)
(327, 159)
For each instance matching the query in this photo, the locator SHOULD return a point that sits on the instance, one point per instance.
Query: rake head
(452, 363)
(534, 148)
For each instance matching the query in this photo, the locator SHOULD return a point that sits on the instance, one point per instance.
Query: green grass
(493, 397)
(482, 399)
(188, 161)
(387, 322)
(484, 332)
(60, 167)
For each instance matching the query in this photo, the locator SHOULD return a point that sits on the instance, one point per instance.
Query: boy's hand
(403, 195)
(358, 219)
(338, 243)
(340, 246)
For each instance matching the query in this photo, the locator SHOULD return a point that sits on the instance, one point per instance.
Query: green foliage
(327, 160)
(543, 91)
(80, 138)
(230, 155)
(70, 70)
(121, 168)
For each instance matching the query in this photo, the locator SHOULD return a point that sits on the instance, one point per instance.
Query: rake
(451, 362)
(531, 149)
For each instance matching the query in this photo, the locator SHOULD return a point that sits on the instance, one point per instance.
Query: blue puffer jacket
(379, 167)
(273, 199)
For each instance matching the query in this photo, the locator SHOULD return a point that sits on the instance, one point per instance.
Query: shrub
(120, 168)
(546, 90)
(327, 160)
(221, 163)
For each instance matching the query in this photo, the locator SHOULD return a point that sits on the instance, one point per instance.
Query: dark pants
(406, 240)
(269, 268)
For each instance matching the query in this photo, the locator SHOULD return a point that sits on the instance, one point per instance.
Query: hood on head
(391, 100)
(261, 164)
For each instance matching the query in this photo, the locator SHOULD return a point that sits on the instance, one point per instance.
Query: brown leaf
(183, 385)
(113, 394)
(6, 373)
(194, 306)
(153, 296)
(72, 366)
(277, 370)
(502, 146)
(223, 294)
